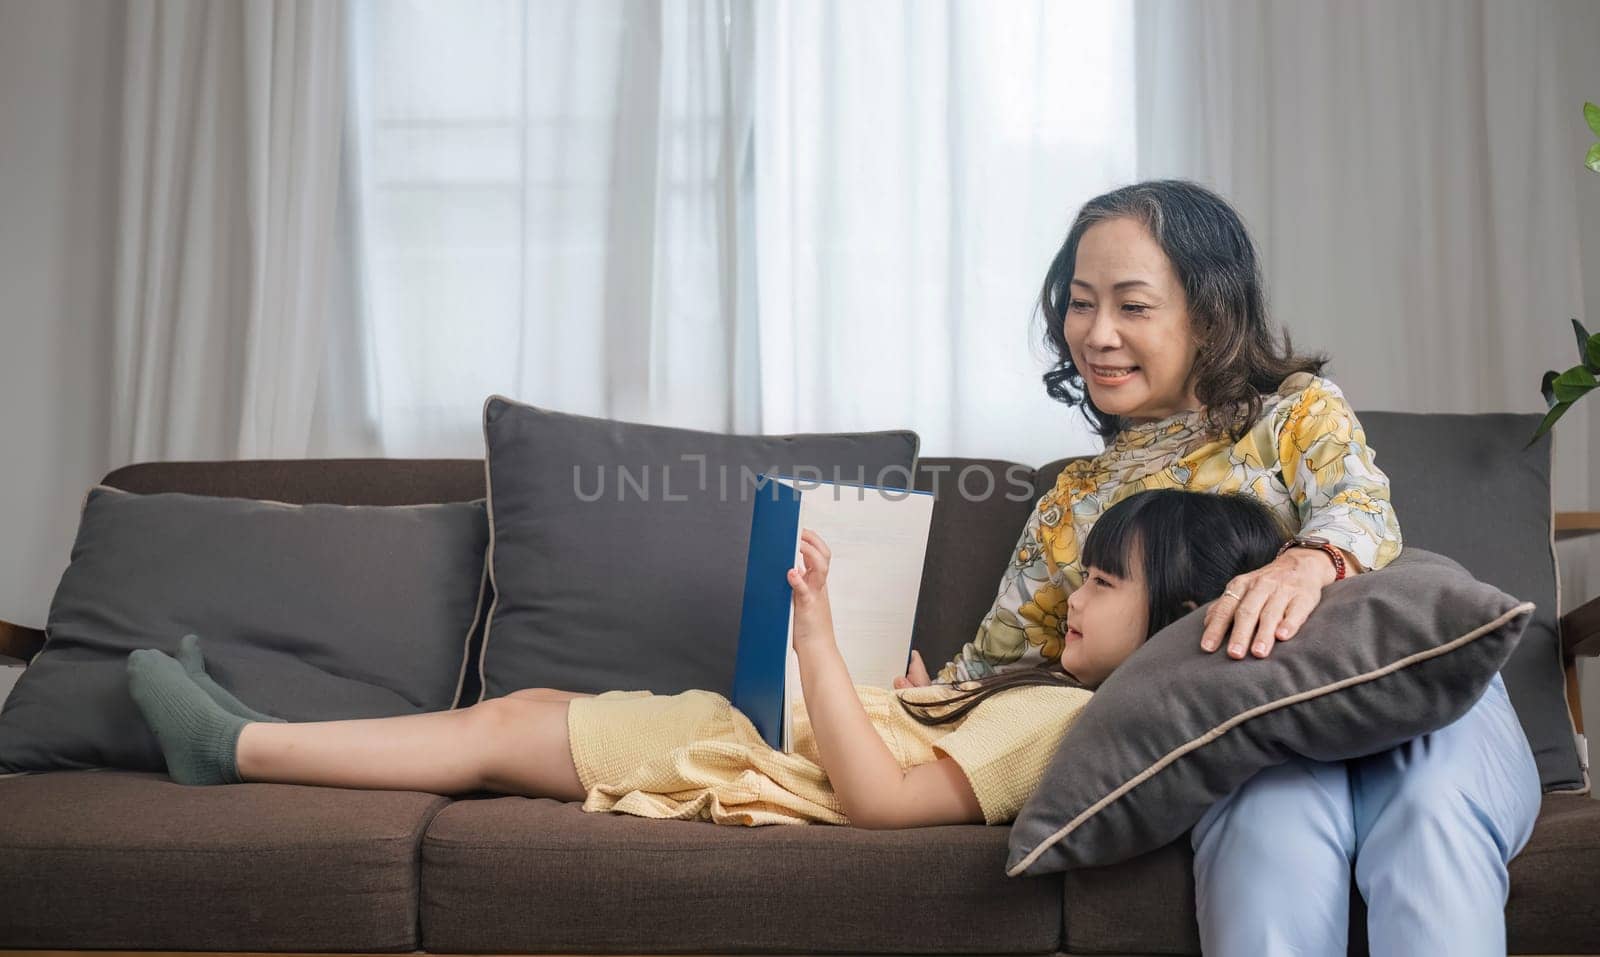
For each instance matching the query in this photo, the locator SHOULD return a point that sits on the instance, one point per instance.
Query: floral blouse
(1306, 457)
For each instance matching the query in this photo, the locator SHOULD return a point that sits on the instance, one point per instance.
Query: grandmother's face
(1127, 324)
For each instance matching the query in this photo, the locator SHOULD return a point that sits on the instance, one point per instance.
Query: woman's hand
(813, 618)
(1268, 605)
(916, 675)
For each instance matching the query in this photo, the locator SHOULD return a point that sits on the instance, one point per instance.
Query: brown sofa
(132, 861)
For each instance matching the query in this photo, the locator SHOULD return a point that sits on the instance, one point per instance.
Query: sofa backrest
(1463, 486)
(969, 544)
(304, 481)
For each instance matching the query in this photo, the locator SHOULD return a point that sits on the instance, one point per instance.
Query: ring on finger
(1234, 595)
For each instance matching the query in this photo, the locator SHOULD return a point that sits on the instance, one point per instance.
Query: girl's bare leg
(512, 745)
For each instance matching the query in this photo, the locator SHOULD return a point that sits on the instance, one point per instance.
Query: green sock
(194, 663)
(199, 738)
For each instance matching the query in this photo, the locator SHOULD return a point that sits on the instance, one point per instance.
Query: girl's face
(1107, 619)
(1127, 324)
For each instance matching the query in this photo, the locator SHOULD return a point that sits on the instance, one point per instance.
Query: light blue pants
(1430, 826)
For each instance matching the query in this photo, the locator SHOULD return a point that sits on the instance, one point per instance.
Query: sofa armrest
(1580, 637)
(1576, 524)
(1580, 630)
(20, 641)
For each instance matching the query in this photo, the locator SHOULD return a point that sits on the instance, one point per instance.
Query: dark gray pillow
(618, 550)
(1386, 656)
(1443, 468)
(308, 612)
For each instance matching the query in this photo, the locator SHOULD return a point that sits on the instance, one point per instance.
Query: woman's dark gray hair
(1205, 240)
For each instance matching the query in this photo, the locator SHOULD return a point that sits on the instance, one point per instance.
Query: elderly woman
(1155, 307)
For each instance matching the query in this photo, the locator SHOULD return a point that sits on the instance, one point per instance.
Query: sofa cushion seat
(519, 875)
(1553, 878)
(1146, 905)
(132, 860)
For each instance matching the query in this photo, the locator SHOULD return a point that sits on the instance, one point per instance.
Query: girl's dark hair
(1206, 242)
(1189, 545)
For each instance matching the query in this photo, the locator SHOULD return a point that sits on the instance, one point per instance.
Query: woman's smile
(1112, 375)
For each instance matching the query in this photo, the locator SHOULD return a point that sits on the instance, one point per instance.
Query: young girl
(872, 757)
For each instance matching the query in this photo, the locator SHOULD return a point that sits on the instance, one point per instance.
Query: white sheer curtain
(729, 215)
(769, 216)
(917, 166)
(545, 206)
(1413, 175)
(228, 181)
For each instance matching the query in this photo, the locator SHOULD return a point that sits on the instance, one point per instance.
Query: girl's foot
(198, 736)
(195, 665)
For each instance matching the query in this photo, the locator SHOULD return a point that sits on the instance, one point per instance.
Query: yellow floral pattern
(1306, 457)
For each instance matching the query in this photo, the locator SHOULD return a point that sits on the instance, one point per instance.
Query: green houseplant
(1561, 389)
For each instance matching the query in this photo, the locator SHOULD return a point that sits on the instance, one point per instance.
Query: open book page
(879, 540)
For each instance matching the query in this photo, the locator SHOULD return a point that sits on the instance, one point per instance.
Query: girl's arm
(873, 791)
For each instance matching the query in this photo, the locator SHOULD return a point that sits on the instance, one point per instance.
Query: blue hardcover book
(878, 538)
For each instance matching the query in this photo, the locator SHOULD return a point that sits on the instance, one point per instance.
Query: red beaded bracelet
(1322, 544)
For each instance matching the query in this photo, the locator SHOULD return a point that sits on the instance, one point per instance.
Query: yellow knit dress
(693, 756)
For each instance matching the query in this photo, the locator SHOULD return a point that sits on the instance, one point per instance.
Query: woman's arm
(1333, 479)
(1339, 494)
(873, 790)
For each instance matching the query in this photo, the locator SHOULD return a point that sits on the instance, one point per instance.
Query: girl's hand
(916, 675)
(813, 619)
(1268, 605)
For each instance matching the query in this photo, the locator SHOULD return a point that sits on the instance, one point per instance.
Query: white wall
(58, 64)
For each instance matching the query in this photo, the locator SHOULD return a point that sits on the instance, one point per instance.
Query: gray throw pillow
(307, 612)
(618, 550)
(1387, 656)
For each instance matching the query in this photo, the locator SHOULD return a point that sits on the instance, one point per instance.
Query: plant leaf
(1547, 389)
(1592, 159)
(1592, 360)
(1583, 345)
(1549, 420)
(1570, 385)
(1591, 115)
